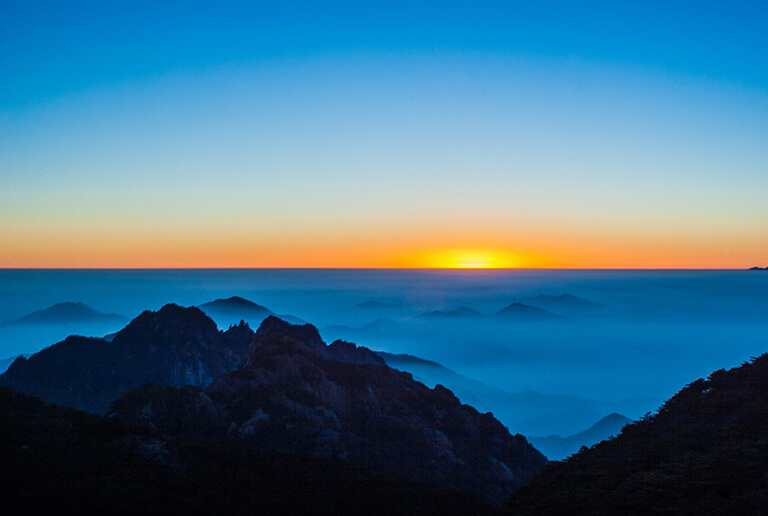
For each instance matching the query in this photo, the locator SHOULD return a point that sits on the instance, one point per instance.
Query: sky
(355, 134)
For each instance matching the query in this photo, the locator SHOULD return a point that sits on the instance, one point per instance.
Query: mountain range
(281, 390)
(173, 346)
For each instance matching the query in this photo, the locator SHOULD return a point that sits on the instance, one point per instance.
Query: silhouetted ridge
(704, 452)
(171, 323)
(298, 396)
(173, 346)
(58, 460)
(305, 334)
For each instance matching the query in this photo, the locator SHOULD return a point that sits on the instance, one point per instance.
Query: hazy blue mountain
(705, 452)
(562, 303)
(558, 448)
(529, 413)
(227, 312)
(66, 313)
(522, 312)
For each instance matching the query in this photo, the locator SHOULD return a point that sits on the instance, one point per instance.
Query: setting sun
(473, 259)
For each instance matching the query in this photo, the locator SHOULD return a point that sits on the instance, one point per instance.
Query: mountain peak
(234, 303)
(65, 312)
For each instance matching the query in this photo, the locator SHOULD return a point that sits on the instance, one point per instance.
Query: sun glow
(473, 259)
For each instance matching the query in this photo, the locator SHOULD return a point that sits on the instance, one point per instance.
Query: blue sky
(572, 134)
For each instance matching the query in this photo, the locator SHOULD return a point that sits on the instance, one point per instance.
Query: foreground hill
(62, 461)
(704, 452)
(295, 394)
(173, 346)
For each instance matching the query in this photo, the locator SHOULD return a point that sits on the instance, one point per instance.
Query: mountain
(68, 312)
(173, 346)
(567, 303)
(6, 362)
(705, 452)
(227, 312)
(758, 268)
(235, 304)
(294, 394)
(558, 448)
(58, 460)
(530, 413)
(522, 312)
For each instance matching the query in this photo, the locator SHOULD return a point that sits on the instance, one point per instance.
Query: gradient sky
(337, 134)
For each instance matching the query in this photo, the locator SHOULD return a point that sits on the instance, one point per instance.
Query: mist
(609, 341)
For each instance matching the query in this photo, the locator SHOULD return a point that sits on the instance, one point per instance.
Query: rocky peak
(171, 321)
(343, 351)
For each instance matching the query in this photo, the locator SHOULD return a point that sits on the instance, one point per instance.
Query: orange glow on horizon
(57, 248)
(470, 259)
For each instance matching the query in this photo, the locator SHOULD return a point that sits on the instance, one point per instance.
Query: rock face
(173, 346)
(296, 395)
(704, 452)
(59, 460)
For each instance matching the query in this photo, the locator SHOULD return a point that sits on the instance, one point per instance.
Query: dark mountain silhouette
(62, 461)
(173, 346)
(530, 412)
(296, 395)
(64, 313)
(6, 362)
(522, 312)
(558, 448)
(704, 452)
(758, 268)
(227, 312)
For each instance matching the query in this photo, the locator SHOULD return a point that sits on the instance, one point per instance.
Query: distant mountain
(530, 413)
(759, 269)
(704, 453)
(67, 312)
(227, 312)
(295, 394)
(558, 448)
(564, 303)
(515, 311)
(173, 346)
(62, 461)
(522, 312)
(235, 304)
